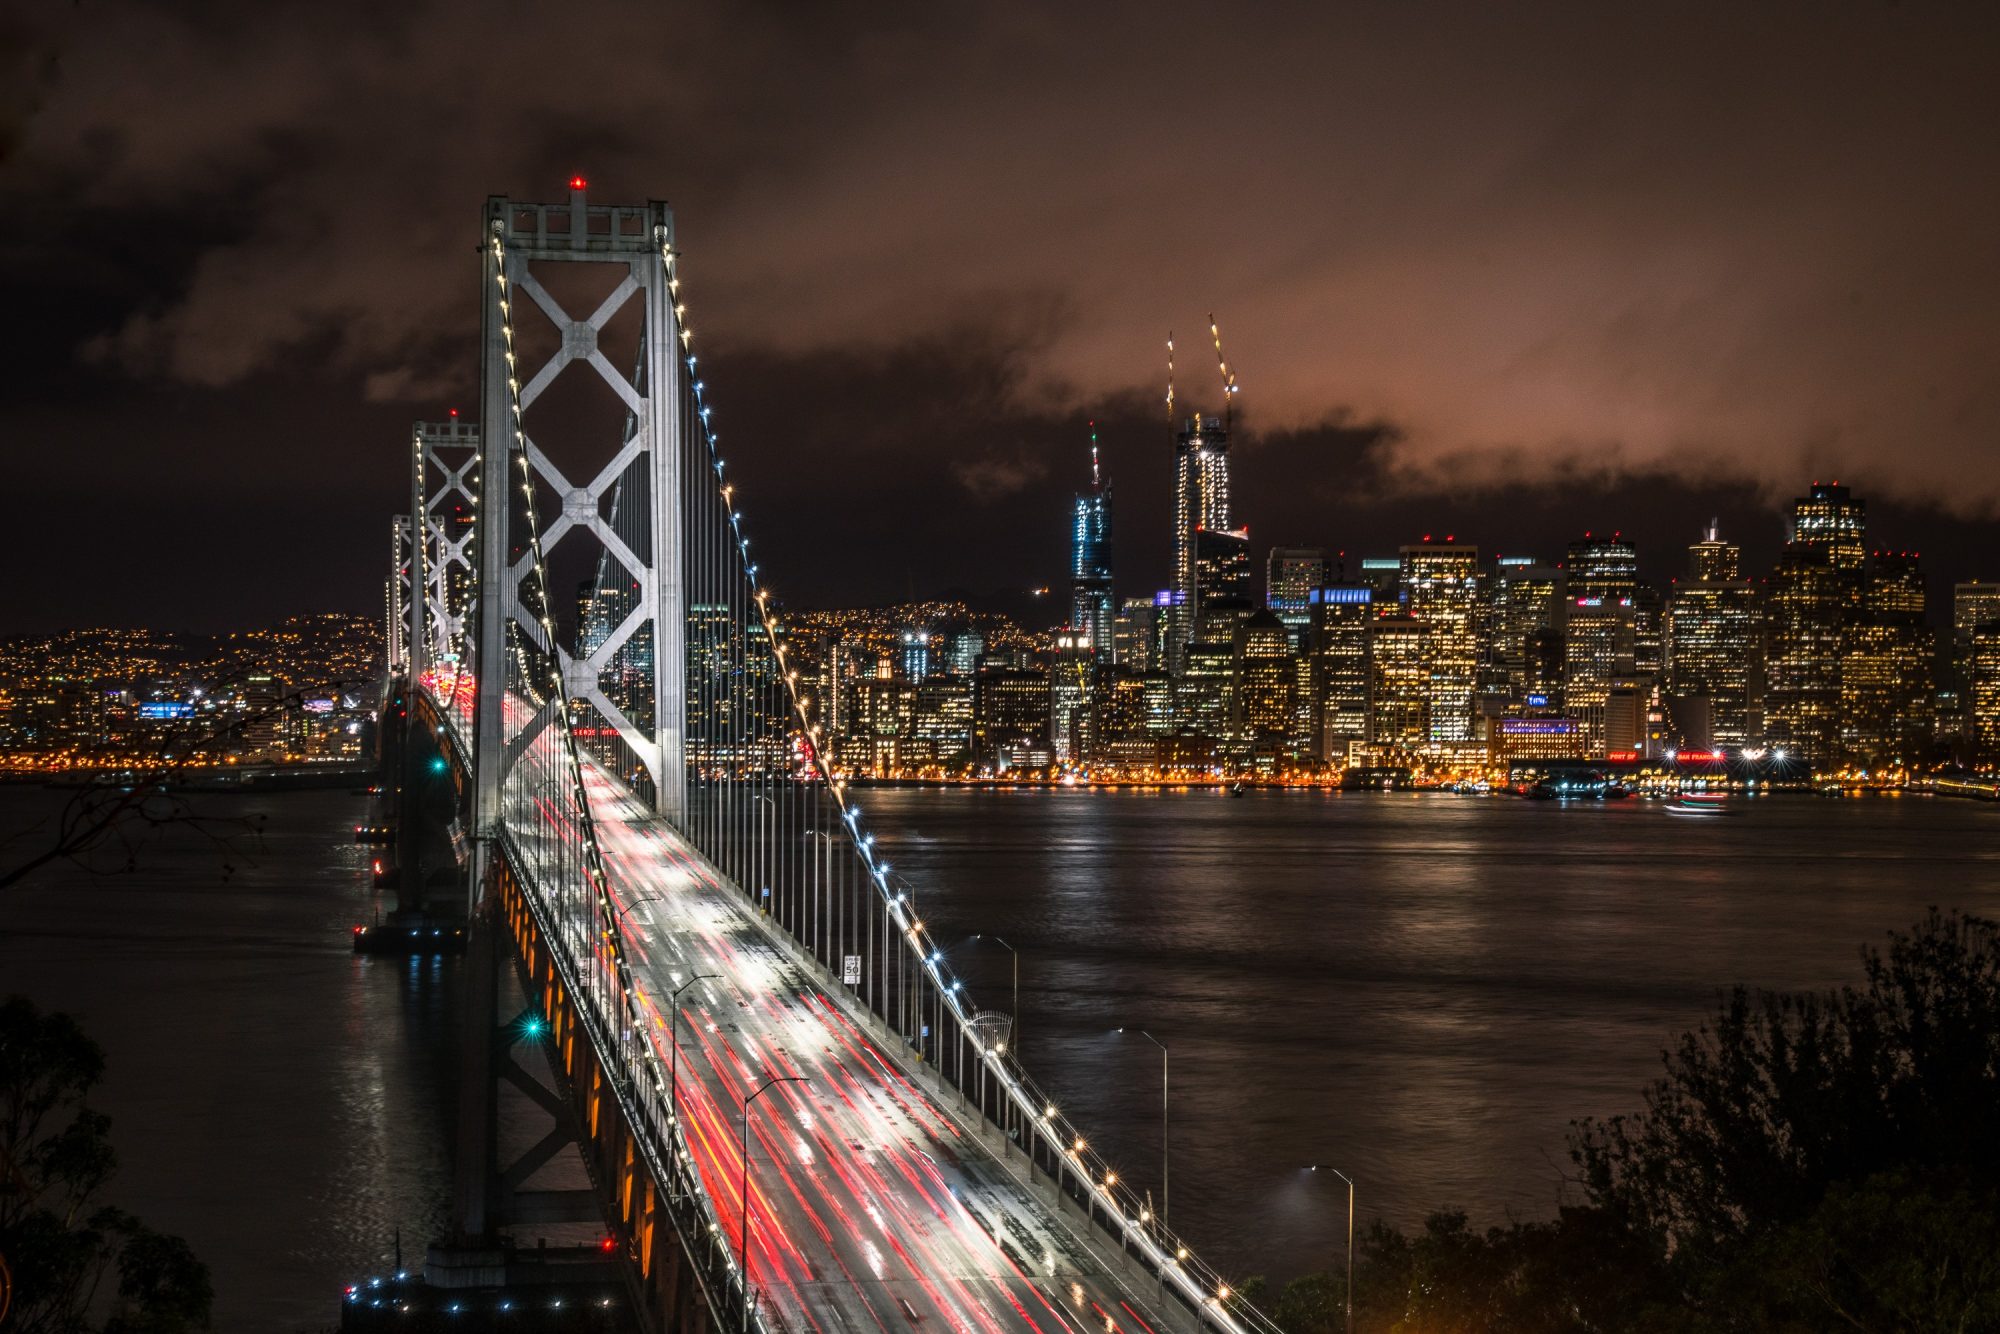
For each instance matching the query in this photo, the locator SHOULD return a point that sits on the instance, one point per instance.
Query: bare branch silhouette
(115, 810)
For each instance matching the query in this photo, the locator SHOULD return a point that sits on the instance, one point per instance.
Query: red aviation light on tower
(577, 183)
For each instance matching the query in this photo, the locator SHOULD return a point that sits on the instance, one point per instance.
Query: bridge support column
(474, 1171)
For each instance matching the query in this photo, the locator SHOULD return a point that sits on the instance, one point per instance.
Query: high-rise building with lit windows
(1885, 659)
(1983, 670)
(913, 656)
(1221, 573)
(1830, 519)
(1341, 614)
(1804, 613)
(1072, 681)
(1010, 718)
(1713, 560)
(1201, 504)
(1973, 604)
(1649, 631)
(1385, 575)
(1440, 582)
(1399, 683)
(1290, 576)
(1715, 644)
(1602, 567)
(1091, 606)
(1524, 619)
(1205, 693)
(1265, 681)
(1134, 710)
(959, 650)
(1597, 655)
(943, 719)
(1135, 635)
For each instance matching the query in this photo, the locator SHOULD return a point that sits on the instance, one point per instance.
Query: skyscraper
(1205, 693)
(1135, 635)
(1398, 683)
(1973, 604)
(1984, 671)
(1830, 519)
(1201, 504)
(1885, 677)
(1091, 607)
(1713, 560)
(1524, 619)
(1072, 676)
(1597, 655)
(1339, 678)
(1441, 584)
(914, 656)
(1265, 680)
(1385, 575)
(1290, 576)
(1715, 643)
(1602, 567)
(1802, 691)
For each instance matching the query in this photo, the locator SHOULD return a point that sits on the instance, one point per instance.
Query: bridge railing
(642, 1099)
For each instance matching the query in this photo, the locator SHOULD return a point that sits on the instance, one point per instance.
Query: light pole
(1013, 1032)
(1350, 1239)
(1165, 1157)
(743, 1249)
(619, 916)
(824, 895)
(760, 869)
(903, 967)
(674, 1043)
(1014, 1029)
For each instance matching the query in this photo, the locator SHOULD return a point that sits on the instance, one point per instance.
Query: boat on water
(1700, 804)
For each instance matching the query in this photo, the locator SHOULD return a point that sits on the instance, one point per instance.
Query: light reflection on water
(278, 1101)
(1421, 990)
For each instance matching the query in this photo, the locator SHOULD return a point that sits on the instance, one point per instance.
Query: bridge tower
(397, 595)
(565, 499)
(630, 671)
(444, 496)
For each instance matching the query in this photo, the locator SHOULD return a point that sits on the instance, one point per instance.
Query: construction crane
(1228, 378)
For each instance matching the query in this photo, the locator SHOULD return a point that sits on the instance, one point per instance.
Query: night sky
(1504, 271)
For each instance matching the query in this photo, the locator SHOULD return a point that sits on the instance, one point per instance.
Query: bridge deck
(874, 1205)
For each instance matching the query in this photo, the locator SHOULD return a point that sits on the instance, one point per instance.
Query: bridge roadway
(874, 1205)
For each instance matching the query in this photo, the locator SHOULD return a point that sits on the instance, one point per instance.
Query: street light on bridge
(674, 1042)
(1014, 1033)
(823, 898)
(1165, 1158)
(619, 916)
(743, 1248)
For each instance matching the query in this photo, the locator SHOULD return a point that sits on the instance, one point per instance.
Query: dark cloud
(1515, 254)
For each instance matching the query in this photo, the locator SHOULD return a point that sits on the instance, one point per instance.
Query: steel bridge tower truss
(399, 594)
(630, 672)
(444, 496)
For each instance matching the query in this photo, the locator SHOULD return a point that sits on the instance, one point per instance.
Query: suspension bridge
(793, 1114)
